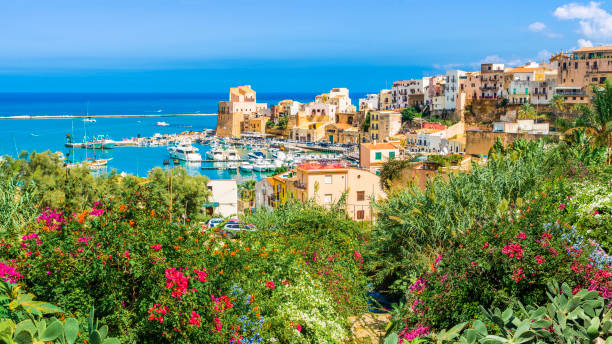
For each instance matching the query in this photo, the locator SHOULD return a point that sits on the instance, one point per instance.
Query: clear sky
(199, 46)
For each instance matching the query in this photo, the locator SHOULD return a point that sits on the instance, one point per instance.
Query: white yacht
(260, 166)
(163, 124)
(231, 154)
(270, 166)
(215, 154)
(246, 167)
(232, 166)
(184, 151)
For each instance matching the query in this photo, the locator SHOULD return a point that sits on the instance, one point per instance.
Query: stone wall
(487, 111)
(228, 125)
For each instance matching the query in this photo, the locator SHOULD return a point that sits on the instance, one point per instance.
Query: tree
(247, 191)
(527, 111)
(366, 123)
(597, 119)
(558, 104)
(408, 114)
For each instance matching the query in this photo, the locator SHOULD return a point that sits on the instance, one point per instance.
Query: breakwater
(106, 116)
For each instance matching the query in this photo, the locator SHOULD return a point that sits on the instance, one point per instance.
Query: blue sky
(199, 46)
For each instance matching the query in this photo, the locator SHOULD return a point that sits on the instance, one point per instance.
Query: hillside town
(440, 123)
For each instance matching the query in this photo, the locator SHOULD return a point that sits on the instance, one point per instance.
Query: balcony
(299, 185)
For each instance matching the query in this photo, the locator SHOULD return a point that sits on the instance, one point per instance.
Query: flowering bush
(152, 281)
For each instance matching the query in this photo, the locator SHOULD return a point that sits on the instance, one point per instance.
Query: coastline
(105, 116)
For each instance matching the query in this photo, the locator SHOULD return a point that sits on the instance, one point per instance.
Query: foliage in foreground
(296, 280)
(494, 237)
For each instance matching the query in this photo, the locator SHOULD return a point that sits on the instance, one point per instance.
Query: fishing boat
(95, 164)
(89, 120)
(163, 124)
(246, 167)
(100, 142)
(184, 151)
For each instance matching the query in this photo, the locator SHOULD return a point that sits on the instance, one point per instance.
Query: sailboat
(89, 119)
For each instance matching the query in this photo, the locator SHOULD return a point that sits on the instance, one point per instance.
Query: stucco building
(241, 105)
(224, 198)
(372, 156)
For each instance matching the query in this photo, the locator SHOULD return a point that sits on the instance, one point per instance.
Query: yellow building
(325, 184)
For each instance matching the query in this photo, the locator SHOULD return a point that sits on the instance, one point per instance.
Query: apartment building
(491, 80)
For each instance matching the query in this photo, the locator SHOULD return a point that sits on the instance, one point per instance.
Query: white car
(214, 222)
(233, 227)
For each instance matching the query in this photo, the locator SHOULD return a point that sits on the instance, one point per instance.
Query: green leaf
(90, 321)
(54, 330)
(114, 341)
(71, 330)
(103, 331)
(593, 329)
(26, 325)
(392, 338)
(542, 323)
(95, 338)
(480, 327)
(605, 327)
(24, 337)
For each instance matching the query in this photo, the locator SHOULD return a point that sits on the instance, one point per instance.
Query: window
(360, 195)
(391, 155)
(328, 199)
(360, 214)
(378, 155)
(328, 179)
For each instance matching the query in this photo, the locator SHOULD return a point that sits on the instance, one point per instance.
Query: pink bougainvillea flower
(195, 320)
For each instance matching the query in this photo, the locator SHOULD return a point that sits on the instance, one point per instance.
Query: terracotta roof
(323, 166)
(594, 49)
(522, 70)
(379, 146)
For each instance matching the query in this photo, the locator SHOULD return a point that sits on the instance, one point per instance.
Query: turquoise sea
(40, 135)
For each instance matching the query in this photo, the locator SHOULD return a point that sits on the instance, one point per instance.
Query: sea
(40, 135)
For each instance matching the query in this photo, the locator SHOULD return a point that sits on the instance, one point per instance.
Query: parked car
(234, 227)
(214, 222)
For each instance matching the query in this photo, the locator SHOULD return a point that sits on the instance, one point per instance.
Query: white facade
(264, 193)
(370, 102)
(402, 89)
(521, 126)
(433, 87)
(340, 98)
(452, 88)
(315, 110)
(439, 102)
(225, 193)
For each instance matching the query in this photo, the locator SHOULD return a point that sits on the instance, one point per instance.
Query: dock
(108, 116)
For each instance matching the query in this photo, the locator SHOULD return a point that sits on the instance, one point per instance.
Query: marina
(138, 141)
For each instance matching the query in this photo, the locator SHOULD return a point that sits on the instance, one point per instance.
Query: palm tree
(527, 111)
(597, 119)
(247, 191)
(558, 104)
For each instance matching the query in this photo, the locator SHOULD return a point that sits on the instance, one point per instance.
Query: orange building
(372, 156)
(327, 183)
